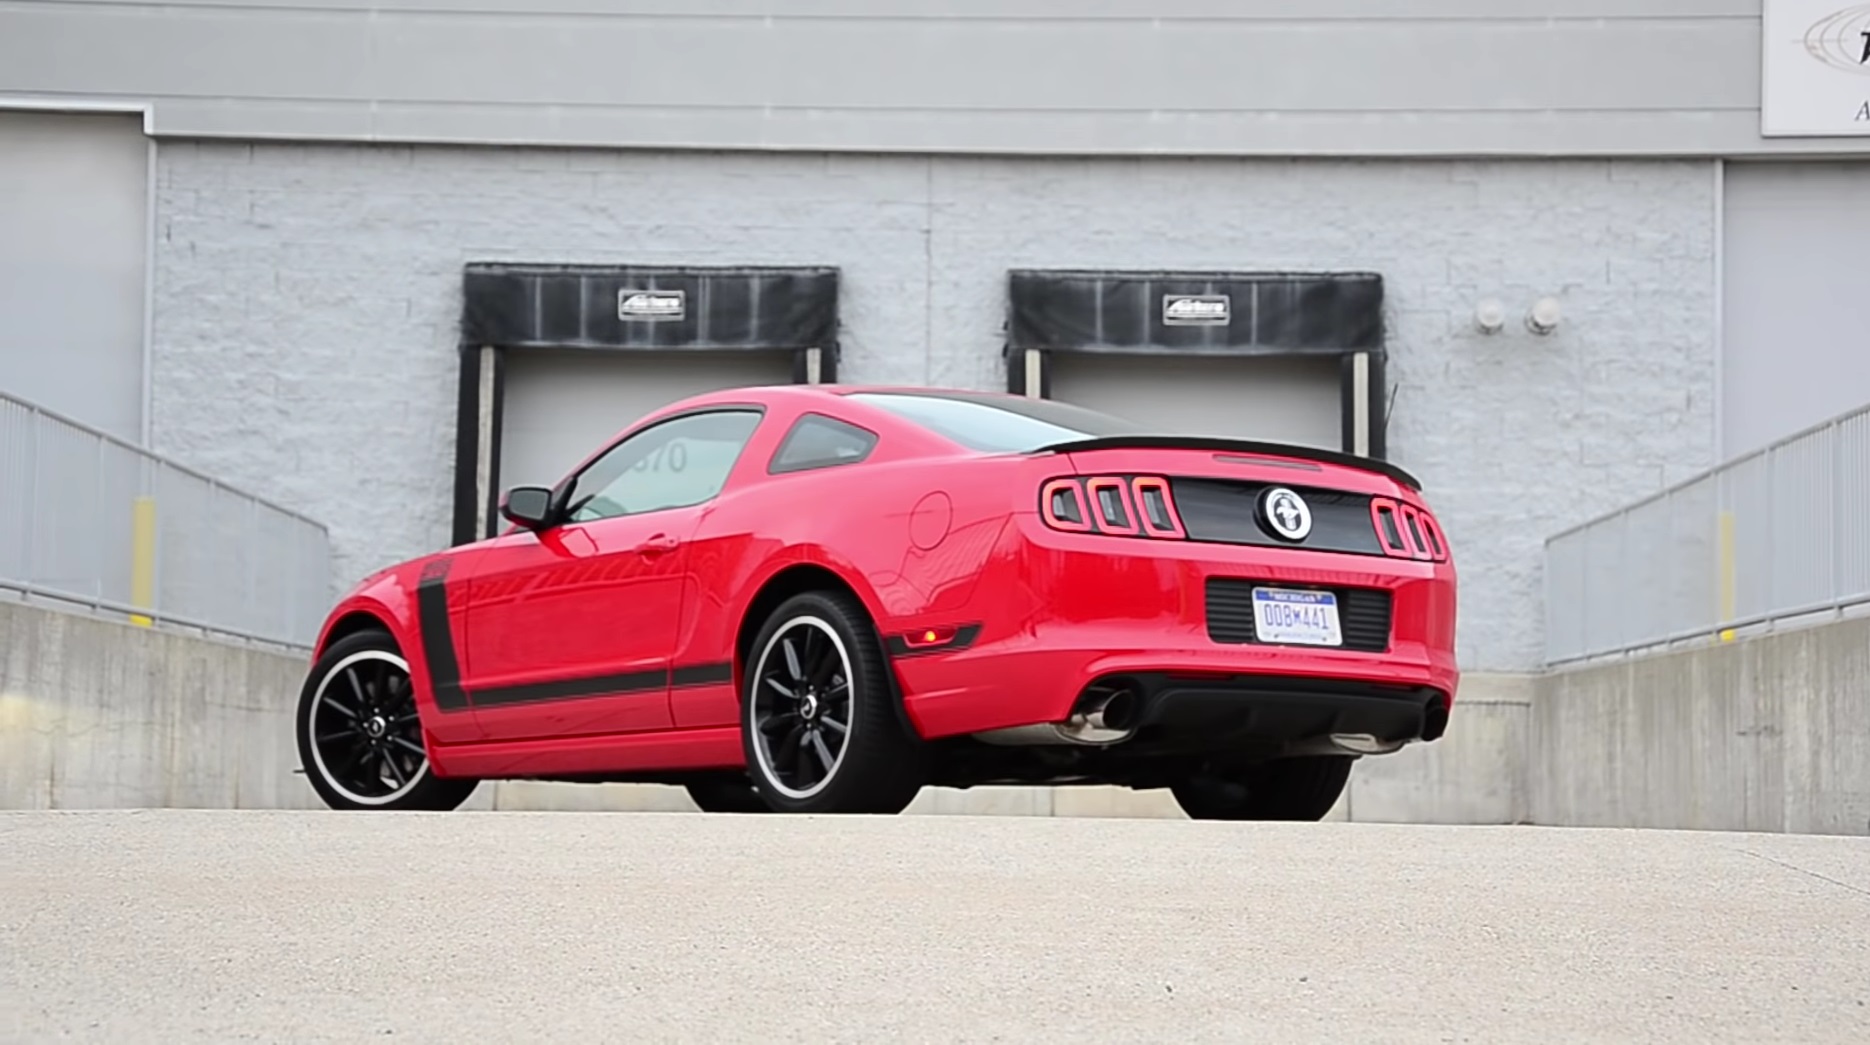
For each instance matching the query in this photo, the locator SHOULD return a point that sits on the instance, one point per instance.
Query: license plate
(1302, 618)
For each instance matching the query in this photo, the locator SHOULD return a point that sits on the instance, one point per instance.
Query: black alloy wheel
(1283, 789)
(360, 737)
(820, 713)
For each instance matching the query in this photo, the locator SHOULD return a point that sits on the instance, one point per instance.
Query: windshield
(999, 424)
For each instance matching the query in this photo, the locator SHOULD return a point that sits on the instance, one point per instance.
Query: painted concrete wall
(317, 287)
(1277, 77)
(1770, 733)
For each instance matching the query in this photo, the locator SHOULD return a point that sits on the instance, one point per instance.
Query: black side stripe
(702, 675)
(572, 688)
(454, 698)
(438, 644)
(578, 687)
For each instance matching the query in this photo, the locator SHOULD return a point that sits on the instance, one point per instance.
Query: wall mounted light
(1490, 316)
(1542, 318)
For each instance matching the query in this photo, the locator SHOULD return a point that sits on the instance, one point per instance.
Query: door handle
(657, 545)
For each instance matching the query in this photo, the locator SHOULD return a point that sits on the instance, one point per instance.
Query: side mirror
(527, 506)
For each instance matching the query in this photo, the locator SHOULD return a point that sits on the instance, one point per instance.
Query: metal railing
(1780, 533)
(90, 520)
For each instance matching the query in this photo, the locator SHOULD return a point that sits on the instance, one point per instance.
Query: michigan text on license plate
(1304, 618)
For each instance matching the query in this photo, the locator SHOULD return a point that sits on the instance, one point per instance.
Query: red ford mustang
(823, 598)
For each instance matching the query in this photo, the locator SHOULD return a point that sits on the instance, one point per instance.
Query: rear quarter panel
(909, 534)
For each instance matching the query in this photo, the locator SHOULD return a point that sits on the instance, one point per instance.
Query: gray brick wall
(307, 298)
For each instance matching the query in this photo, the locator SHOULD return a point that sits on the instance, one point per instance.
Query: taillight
(1407, 532)
(1062, 505)
(1155, 507)
(1120, 505)
(1110, 505)
(1437, 546)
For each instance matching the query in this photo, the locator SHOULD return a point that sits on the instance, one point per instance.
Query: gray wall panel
(1793, 343)
(330, 275)
(1342, 77)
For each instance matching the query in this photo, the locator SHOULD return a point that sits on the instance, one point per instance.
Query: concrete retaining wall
(1770, 733)
(96, 714)
(99, 714)
(1767, 734)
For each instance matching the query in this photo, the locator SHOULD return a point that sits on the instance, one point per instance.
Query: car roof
(827, 391)
(1133, 438)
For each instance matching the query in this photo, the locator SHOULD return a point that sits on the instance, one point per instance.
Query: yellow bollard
(1728, 580)
(142, 558)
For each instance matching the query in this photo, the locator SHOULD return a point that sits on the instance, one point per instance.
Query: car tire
(727, 795)
(816, 658)
(1283, 789)
(360, 739)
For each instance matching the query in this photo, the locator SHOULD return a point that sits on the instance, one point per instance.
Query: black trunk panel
(1227, 512)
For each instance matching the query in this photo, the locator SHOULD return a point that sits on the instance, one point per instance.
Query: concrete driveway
(171, 926)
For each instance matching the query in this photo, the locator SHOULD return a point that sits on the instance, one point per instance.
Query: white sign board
(1815, 71)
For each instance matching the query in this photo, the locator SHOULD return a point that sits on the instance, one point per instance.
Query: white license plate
(1302, 618)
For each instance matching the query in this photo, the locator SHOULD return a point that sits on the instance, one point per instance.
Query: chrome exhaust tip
(1107, 718)
(1105, 714)
(1364, 744)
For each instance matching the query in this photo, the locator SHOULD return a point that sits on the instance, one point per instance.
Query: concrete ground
(313, 926)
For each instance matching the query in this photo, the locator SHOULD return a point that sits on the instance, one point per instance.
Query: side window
(817, 441)
(673, 464)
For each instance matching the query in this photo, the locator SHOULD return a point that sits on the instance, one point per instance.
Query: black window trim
(773, 467)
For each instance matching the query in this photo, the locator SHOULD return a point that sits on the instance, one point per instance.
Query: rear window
(999, 424)
(817, 441)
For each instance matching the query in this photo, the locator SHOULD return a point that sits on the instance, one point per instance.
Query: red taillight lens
(1407, 532)
(1155, 507)
(1388, 522)
(1110, 505)
(1061, 503)
(1437, 545)
(1122, 506)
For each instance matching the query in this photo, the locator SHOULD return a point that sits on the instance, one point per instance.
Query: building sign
(1196, 310)
(1815, 68)
(651, 304)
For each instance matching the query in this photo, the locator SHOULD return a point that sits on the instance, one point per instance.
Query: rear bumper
(1239, 710)
(1000, 689)
(1060, 613)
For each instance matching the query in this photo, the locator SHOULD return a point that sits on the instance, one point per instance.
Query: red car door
(571, 628)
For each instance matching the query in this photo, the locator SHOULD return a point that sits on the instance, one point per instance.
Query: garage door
(74, 193)
(562, 404)
(1793, 347)
(1280, 399)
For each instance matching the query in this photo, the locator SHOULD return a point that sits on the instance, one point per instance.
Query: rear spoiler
(1234, 446)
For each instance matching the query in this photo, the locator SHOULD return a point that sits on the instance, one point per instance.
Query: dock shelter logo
(651, 304)
(1196, 310)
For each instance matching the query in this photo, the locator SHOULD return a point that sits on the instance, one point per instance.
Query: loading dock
(557, 358)
(1294, 357)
